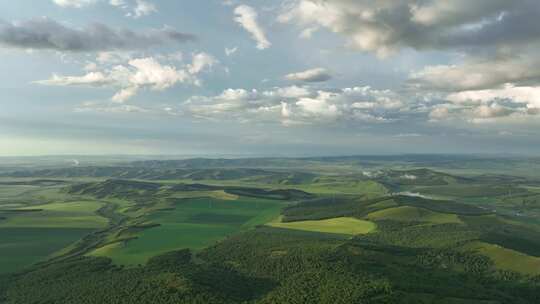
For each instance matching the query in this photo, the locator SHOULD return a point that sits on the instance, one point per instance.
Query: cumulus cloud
(483, 90)
(133, 8)
(478, 74)
(488, 105)
(384, 27)
(299, 105)
(137, 74)
(493, 110)
(74, 3)
(92, 106)
(526, 95)
(247, 17)
(47, 34)
(142, 8)
(312, 75)
(230, 51)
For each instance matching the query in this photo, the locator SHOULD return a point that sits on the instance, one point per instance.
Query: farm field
(408, 214)
(507, 259)
(23, 246)
(79, 214)
(32, 234)
(194, 224)
(342, 225)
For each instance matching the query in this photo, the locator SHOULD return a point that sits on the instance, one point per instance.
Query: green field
(9, 192)
(507, 259)
(195, 224)
(21, 247)
(37, 232)
(471, 191)
(369, 188)
(80, 214)
(342, 225)
(412, 214)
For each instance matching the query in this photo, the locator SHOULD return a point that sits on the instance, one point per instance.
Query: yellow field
(406, 213)
(342, 225)
(507, 259)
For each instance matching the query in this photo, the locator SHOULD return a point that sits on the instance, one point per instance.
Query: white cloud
(134, 8)
(246, 16)
(137, 74)
(439, 113)
(96, 79)
(474, 75)
(493, 110)
(297, 105)
(231, 51)
(312, 75)
(91, 66)
(384, 27)
(320, 107)
(149, 72)
(125, 94)
(92, 106)
(74, 3)
(527, 95)
(118, 3)
(201, 61)
(142, 8)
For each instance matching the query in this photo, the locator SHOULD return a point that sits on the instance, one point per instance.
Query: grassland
(471, 191)
(34, 233)
(79, 214)
(413, 214)
(507, 259)
(10, 192)
(342, 225)
(21, 247)
(368, 188)
(194, 223)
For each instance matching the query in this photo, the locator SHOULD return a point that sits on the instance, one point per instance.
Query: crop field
(472, 191)
(80, 214)
(31, 234)
(507, 259)
(194, 224)
(24, 246)
(413, 214)
(342, 225)
(10, 192)
(369, 188)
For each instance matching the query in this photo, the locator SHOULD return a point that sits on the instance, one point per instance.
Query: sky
(269, 77)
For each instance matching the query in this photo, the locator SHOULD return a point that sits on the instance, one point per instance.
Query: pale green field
(80, 214)
(7, 192)
(412, 214)
(369, 188)
(342, 225)
(507, 259)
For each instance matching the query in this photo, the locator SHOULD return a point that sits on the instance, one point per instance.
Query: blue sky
(281, 77)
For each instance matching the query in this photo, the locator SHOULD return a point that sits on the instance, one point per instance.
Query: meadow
(341, 225)
(32, 234)
(24, 246)
(194, 223)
